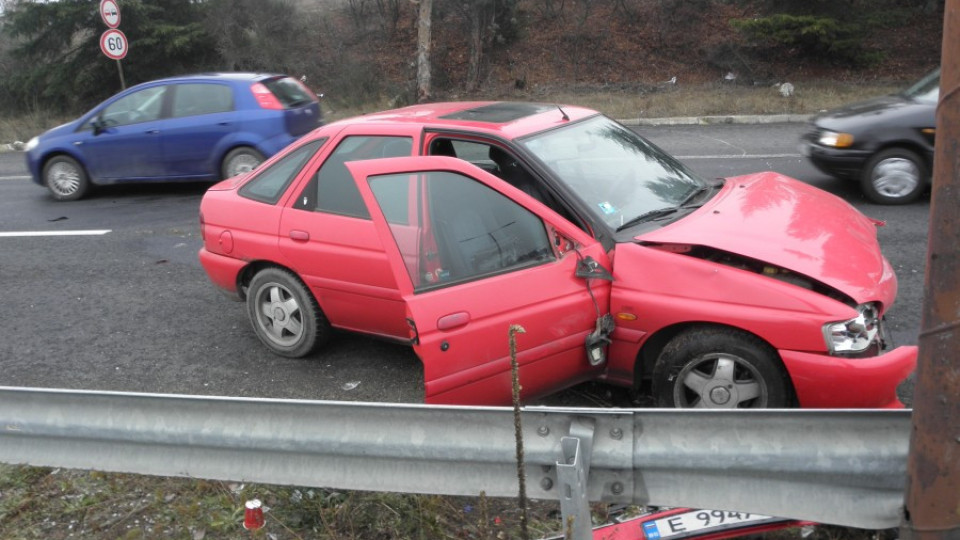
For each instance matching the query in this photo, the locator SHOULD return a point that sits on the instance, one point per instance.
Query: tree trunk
(476, 48)
(423, 50)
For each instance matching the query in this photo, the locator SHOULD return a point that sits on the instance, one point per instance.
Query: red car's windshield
(617, 173)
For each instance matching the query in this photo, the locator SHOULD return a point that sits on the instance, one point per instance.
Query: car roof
(219, 76)
(508, 119)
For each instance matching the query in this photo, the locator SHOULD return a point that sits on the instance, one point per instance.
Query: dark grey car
(885, 143)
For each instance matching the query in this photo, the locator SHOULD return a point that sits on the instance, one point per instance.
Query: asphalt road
(132, 310)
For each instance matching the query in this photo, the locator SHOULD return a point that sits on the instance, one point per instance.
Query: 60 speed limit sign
(114, 44)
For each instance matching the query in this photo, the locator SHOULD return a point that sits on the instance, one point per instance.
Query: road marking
(14, 177)
(742, 156)
(54, 233)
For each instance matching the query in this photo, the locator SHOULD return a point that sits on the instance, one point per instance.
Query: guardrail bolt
(543, 431)
(546, 484)
(616, 433)
(616, 488)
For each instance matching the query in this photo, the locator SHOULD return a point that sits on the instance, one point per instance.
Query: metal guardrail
(844, 467)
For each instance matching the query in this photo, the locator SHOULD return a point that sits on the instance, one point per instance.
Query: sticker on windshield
(607, 208)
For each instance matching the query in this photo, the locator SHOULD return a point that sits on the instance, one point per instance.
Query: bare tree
(424, 21)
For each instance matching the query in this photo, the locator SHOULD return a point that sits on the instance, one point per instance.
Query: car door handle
(153, 131)
(299, 236)
(453, 320)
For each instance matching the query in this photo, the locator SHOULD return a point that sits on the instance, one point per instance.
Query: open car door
(473, 256)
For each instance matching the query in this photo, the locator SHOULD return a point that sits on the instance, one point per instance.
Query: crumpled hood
(776, 219)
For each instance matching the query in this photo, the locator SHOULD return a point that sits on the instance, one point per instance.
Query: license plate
(680, 525)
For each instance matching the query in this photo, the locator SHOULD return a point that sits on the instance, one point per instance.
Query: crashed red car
(443, 225)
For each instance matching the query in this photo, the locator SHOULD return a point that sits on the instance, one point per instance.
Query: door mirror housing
(589, 268)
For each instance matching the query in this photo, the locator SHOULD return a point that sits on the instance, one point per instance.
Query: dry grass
(637, 101)
(644, 101)
(22, 128)
(39, 503)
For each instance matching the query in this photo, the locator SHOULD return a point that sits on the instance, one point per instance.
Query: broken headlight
(856, 335)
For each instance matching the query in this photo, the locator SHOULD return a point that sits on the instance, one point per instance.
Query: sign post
(113, 42)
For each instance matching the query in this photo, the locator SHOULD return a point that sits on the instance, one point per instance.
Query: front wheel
(239, 161)
(284, 314)
(719, 368)
(894, 176)
(65, 178)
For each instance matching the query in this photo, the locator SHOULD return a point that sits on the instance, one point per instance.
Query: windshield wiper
(697, 192)
(693, 195)
(647, 216)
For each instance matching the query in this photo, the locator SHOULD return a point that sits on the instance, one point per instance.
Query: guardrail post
(572, 473)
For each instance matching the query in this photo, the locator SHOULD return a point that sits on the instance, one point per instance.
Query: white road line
(748, 156)
(14, 177)
(54, 233)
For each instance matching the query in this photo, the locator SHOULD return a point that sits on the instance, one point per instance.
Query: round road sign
(114, 44)
(110, 13)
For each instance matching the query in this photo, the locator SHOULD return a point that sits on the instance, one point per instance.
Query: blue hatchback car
(190, 128)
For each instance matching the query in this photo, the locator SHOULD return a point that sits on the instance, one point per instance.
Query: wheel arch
(46, 158)
(652, 347)
(246, 275)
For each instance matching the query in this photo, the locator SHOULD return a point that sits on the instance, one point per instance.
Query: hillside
(613, 44)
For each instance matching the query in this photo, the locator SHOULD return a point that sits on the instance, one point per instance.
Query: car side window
(271, 182)
(464, 230)
(142, 106)
(333, 189)
(196, 99)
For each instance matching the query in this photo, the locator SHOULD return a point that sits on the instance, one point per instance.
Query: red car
(443, 225)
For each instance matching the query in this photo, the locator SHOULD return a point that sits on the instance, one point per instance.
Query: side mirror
(98, 125)
(589, 268)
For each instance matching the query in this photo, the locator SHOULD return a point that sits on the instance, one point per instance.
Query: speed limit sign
(114, 44)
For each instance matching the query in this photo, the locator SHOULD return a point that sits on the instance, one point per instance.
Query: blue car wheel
(65, 178)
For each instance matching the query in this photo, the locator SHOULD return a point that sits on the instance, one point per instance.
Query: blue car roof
(229, 76)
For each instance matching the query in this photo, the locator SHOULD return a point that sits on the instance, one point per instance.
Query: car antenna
(565, 117)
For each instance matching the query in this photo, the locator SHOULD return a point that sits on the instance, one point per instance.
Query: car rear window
(289, 91)
(271, 182)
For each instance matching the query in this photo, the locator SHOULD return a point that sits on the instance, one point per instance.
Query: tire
(239, 161)
(285, 316)
(894, 176)
(65, 178)
(719, 368)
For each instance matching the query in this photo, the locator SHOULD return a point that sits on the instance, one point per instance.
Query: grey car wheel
(894, 176)
(240, 160)
(719, 368)
(284, 314)
(65, 178)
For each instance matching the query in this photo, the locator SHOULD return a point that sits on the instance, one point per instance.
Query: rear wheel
(65, 178)
(719, 368)
(284, 314)
(239, 161)
(894, 176)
